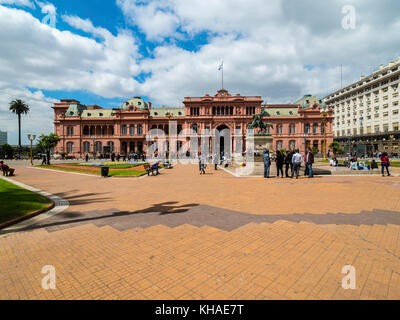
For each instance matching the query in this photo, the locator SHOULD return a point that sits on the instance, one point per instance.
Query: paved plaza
(185, 236)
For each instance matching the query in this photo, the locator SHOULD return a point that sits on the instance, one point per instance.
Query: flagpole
(221, 68)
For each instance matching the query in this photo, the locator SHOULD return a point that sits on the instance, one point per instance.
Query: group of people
(292, 160)
(117, 157)
(353, 163)
(215, 159)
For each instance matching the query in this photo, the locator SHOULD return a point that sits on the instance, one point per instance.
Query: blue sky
(103, 52)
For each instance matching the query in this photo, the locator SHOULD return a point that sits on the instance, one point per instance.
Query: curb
(57, 206)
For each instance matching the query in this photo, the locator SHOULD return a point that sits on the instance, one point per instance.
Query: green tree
(6, 150)
(335, 146)
(314, 150)
(47, 143)
(19, 107)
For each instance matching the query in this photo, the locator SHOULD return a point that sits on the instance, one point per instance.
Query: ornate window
(86, 147)
(70, 147)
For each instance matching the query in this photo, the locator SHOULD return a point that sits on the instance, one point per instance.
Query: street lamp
(324, 113)
(94, 146)
(31, 138)
(391, 143)
(169, 115)
(305, 136)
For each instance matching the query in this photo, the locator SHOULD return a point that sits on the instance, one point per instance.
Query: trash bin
(104, 171)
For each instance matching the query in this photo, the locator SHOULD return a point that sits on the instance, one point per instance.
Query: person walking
(87, 157)
(267, 163)
(202, 164)
(385, 163)
(309, 160)
(297, 159)
(289, 164)
(43, 159)
(215, 161)
(279, 160)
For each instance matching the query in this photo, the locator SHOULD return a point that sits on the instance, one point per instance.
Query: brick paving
(186, 236)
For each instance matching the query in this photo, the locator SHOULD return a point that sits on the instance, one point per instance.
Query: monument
(257, 141)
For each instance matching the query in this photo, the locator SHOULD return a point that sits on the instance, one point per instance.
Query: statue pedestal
(255, 146)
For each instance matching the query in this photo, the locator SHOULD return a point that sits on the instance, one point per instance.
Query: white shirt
(297, 158)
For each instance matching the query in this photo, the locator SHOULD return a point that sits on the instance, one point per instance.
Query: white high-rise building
(3, 138)
(366, 113)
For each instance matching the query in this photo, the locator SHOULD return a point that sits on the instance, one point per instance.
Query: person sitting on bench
(155, 167)
(7, 171)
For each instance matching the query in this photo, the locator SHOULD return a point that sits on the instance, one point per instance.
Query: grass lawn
(16, 202)
(120, 173)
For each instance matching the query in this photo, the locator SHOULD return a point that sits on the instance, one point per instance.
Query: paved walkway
(186, 236)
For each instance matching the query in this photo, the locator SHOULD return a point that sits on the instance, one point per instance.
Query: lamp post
(305, 136)
(169, 116)
(31, 138)
(391, 143)
(94, 146)
(324, 113)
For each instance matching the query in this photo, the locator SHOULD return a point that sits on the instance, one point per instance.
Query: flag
(221, 66)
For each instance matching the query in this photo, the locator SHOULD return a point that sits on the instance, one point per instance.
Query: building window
(132, 130)
(110, 144)
(315, 128)
(139, 129)
(124, 130)
(279, 145)
(194, 127)
(98, 146)
(307, 129)
(70, 131)
(70, 147)
(86, 147)
(292, 144)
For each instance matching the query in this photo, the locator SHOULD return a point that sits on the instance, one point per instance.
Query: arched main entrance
(223, 140)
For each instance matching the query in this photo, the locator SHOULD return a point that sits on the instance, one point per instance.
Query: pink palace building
(92, 129)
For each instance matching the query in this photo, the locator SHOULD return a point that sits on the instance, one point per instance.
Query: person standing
(267, 163)
(202, 164)
(87, 157)
(309, 160)
(215, 161)
(385, 163)
(289, 164)
(43, 159)
(297, 159)
(279, 160)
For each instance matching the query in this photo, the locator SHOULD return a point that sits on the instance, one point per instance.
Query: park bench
(150, 168)
(8, 171)
(147, 167)
(168, 165)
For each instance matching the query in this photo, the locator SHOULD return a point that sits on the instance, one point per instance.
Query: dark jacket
(279, 159)
(310, 158)
(288, 158)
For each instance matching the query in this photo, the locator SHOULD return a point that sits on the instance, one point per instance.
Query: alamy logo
(349, 281)
(49, 280)
(349, 20)
(50, 19)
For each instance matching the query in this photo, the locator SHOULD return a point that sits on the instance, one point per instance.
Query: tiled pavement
(182, 236)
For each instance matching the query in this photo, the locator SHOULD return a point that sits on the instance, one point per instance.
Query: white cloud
(39, 56)
(39, 120)
(21, 3)
(265, 46)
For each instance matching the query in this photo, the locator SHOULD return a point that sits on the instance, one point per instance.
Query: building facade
(3, 138)
(92, 129)
(367, 113)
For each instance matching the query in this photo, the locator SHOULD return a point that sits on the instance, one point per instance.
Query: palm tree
(19, 107)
